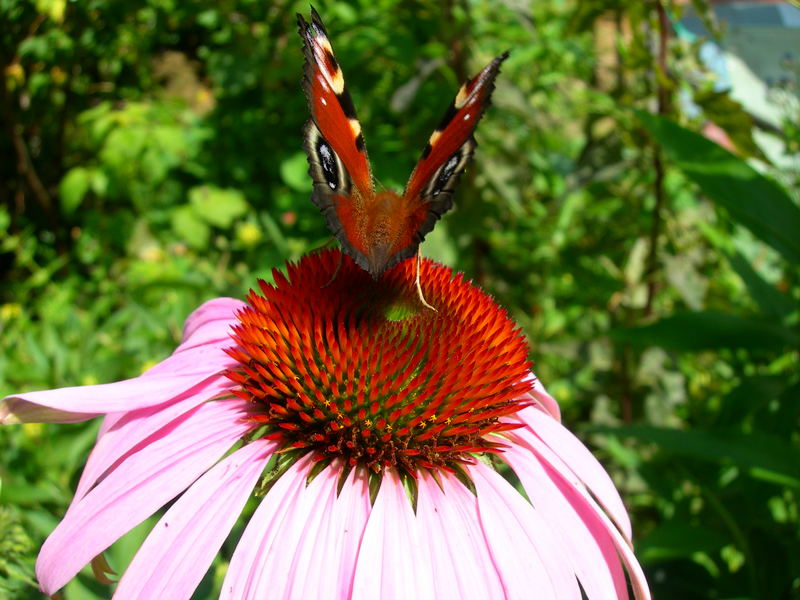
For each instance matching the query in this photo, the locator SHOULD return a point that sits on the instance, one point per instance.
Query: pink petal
(460, 560)
(261, 543)
(214, 332)
(329, 536)
(314, 545)
(201, 355)
(589, 557)
(74, 404)
(122, 434)
(163, 468)
(588, 510)
(108, 422)
(210, 314)
(177, 553)
(542, 400)
(209, 358)
(580, 461)
(394, 560)
(524, 548)
(593, 515)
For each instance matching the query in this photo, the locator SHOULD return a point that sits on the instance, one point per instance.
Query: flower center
(343, 366)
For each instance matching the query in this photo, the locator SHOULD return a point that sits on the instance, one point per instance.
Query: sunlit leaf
(294, 172)
(217, 206)
(73, 188)
(189, 227)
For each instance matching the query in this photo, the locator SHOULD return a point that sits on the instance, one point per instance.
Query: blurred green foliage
(150, 159)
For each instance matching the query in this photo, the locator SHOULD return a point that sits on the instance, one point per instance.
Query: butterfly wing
(333, 141)
(429, 193)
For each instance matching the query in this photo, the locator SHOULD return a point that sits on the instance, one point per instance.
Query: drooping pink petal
(593, 560)
(582, 463)
(460, 559)
(177, 553)
(165, 466)
(248, 576)
(587, 508)
(525, 549)
(122, 434)
(206, 319)
(81, 403)
(201, 355)
(394, 559)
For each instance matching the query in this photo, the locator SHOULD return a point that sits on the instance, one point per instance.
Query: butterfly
(378, 229)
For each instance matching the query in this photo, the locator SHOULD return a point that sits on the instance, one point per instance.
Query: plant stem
(663, 99)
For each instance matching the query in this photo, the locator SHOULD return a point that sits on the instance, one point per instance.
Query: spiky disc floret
(359, 369)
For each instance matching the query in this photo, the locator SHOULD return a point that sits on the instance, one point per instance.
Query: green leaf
(294, 172)
(766, 457)
(73, 188)
(708, 330)
(52, 8)
(189, 227)
(729, 114)
(753, 200)
(752, 396)
(769, 298)
(217, 206)
(677, 540)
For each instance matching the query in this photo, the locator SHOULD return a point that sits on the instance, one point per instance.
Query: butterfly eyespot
(446, 173)
(328, 162)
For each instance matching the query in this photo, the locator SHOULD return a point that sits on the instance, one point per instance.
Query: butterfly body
(380, 228)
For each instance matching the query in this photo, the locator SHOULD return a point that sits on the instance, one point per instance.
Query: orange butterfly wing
(429, 192)
(380, 229)
(333, 141)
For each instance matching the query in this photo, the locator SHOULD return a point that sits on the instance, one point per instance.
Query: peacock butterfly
(380, 228)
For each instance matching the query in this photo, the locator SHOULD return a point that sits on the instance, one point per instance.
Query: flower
(380, 431)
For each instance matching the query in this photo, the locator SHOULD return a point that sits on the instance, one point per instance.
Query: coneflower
(384, 433)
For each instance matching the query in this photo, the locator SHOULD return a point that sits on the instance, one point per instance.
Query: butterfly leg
(336, 271)
(419, 286)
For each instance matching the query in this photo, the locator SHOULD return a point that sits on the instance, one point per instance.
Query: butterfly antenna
(419, 286)
(328, 243)
(335, 273)
(379, 183)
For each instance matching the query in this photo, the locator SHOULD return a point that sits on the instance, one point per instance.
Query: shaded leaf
(708, 330)
(769, 298)
(767, 457)
(673, 539)
(751, 396)
(753, 200)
